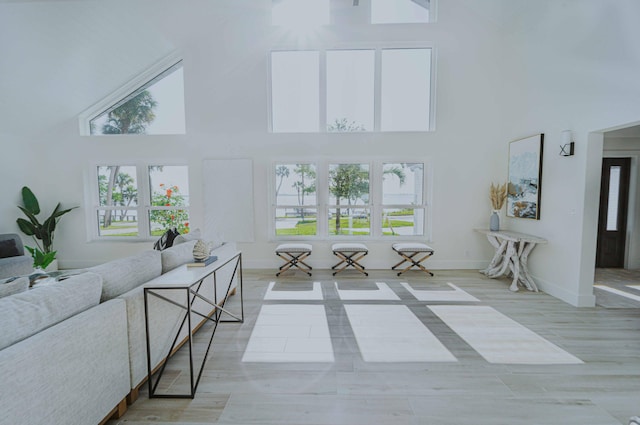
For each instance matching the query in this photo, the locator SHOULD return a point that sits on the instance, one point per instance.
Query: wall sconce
(566, 148)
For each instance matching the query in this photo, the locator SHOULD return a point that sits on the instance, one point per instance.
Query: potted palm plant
(42, 233)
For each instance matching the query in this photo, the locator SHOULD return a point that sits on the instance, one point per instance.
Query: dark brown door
(612, 222)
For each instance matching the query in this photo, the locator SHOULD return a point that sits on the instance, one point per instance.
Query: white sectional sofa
(63, 355)
(74, 352)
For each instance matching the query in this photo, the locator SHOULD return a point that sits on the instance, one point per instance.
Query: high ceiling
(58, 58)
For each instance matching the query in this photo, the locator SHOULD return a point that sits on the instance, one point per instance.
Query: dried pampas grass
(498, 194)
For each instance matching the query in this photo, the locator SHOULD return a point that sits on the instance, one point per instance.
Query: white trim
(377, 90)
(322, 91)
(85, 117)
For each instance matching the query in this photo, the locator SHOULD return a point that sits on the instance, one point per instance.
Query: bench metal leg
(413, 262)
(351, 260)
(294, 259)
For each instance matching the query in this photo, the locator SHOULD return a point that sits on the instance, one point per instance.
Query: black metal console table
(190, 280)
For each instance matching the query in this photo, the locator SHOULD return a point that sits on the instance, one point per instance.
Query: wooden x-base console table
(512, 253)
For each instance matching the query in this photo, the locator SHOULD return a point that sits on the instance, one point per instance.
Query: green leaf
(41, 259)
(48, 259)
(32, 218)
(48, 228)
(57, 213)
(30, 201)
(27, 228)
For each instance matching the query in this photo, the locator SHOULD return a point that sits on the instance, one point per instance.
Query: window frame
(333, 206)
(119, 96)
(375, 204)
(274, 201)
(377, 95)
(422, 206)
(143, 207)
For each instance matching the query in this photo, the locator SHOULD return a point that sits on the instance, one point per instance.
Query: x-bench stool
(293, 254)
(349, 253)
(413, 253)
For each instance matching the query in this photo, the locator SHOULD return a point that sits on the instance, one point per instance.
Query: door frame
(593, 168)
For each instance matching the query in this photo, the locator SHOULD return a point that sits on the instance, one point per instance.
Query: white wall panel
(228, 199)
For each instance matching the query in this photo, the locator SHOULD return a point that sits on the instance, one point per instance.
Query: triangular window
(155, 106)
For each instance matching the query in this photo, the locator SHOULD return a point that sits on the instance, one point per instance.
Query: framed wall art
(525, 177)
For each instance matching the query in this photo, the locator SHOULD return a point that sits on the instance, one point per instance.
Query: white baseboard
(569, 297)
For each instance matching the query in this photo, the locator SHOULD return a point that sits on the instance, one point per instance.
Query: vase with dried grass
(497, 195)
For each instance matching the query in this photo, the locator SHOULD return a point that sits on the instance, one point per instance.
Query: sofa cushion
(122, 275)
(16, 266)
(13, 286)
(177, 255)
(8, 248)
(30, 312)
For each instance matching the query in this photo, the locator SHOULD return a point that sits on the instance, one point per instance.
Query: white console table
(512, 253)
(188, 281)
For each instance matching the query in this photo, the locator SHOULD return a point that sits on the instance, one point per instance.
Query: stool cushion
(294, 247)
(412, 247)
(349, 247)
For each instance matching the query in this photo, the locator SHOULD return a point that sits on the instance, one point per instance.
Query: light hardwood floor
(627, 281)
(604, 389)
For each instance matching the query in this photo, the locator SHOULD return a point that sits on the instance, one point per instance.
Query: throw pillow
(177, 255)
(13, 285)
(166, 240)
(8, 248)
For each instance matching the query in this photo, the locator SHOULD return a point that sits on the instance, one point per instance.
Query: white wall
(572, 65)
(225, 67)
(505, 69)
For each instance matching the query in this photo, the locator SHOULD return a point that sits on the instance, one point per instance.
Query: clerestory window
(152, 104)
(312, 13)
(351, 90)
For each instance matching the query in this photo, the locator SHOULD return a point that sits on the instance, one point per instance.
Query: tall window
(296, 206)
(402, 199)
(406, 89)
(350, 89)
(349, 208)
(342, 199)
(341, 90)
(141, 201)
(169, 198)
(295, 92)
(118, 206)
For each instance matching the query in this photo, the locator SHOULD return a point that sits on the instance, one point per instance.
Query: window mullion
(322, 86)
(375, 197)
(377, 87)
(322, 198)
(144, 201)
